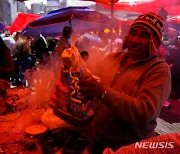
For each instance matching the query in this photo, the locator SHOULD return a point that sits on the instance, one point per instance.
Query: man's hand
(91, 87)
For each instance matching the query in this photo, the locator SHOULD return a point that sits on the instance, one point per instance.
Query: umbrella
(144, 6)
(108, 2)
(2, 26)
(93, 38)
(21, 20)
(81, 19)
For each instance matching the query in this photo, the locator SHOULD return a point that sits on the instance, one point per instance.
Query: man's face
(138, 43)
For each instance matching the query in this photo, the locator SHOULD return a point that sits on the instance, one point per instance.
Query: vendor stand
(33, 130)
(62, 126)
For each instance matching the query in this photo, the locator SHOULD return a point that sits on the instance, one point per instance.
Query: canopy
(171, 6)
(81, 19)
(21, 20)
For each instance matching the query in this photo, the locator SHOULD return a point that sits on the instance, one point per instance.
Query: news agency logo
(153, 145)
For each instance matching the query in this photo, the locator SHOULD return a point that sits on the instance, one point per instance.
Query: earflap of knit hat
(154, 43)
(152, 49)
(124, 44)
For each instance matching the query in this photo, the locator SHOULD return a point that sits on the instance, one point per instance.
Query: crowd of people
(27, 52)
(170, 52)
(134, 82)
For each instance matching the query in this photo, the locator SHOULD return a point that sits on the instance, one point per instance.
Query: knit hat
(154, 24)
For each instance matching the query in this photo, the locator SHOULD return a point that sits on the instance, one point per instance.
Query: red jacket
(133, 100)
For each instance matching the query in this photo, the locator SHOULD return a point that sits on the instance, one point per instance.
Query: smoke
(43, 80)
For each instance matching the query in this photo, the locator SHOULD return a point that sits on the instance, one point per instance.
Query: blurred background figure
(105, 45)
(64, 41)
(9, 40)
(162, 53)
(16, 35)
(22, 52)
(118, 44)
(175, 69)
(52, 43)
(6, 68)
(40, 47)
(84, 44)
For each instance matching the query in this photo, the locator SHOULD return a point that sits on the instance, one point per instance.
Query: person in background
(22, 51)
(133, 88)
(16, 35)
(40, 47)
(52, 42)
(118, 44)
(175, 69)
(6, 68)
(64, 41)
(104, 46)
(162, 53)
(9, 41)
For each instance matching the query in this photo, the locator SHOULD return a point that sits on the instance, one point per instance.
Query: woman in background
(23, 53)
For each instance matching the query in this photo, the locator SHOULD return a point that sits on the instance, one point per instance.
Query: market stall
(59, 121)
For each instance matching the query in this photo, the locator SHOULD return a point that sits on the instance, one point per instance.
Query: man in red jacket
(134, 85)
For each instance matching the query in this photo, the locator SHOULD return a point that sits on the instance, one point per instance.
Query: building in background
(9, 10)
(16, 7)
(44, 6)
(56, 4)
(38, 8)
(53, 4)
(5, 12)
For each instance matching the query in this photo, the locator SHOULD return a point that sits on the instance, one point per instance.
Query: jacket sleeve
(146, 105)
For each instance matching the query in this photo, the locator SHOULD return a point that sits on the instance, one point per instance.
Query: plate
(36, 129)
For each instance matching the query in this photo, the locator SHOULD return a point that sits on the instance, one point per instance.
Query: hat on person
(154, 24)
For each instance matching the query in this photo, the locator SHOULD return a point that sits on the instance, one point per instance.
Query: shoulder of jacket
(159, 65)
(157, 60)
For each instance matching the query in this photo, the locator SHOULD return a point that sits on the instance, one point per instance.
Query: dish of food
(36, 129)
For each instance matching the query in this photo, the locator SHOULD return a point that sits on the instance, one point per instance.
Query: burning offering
(15, 100)
(70, 104)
